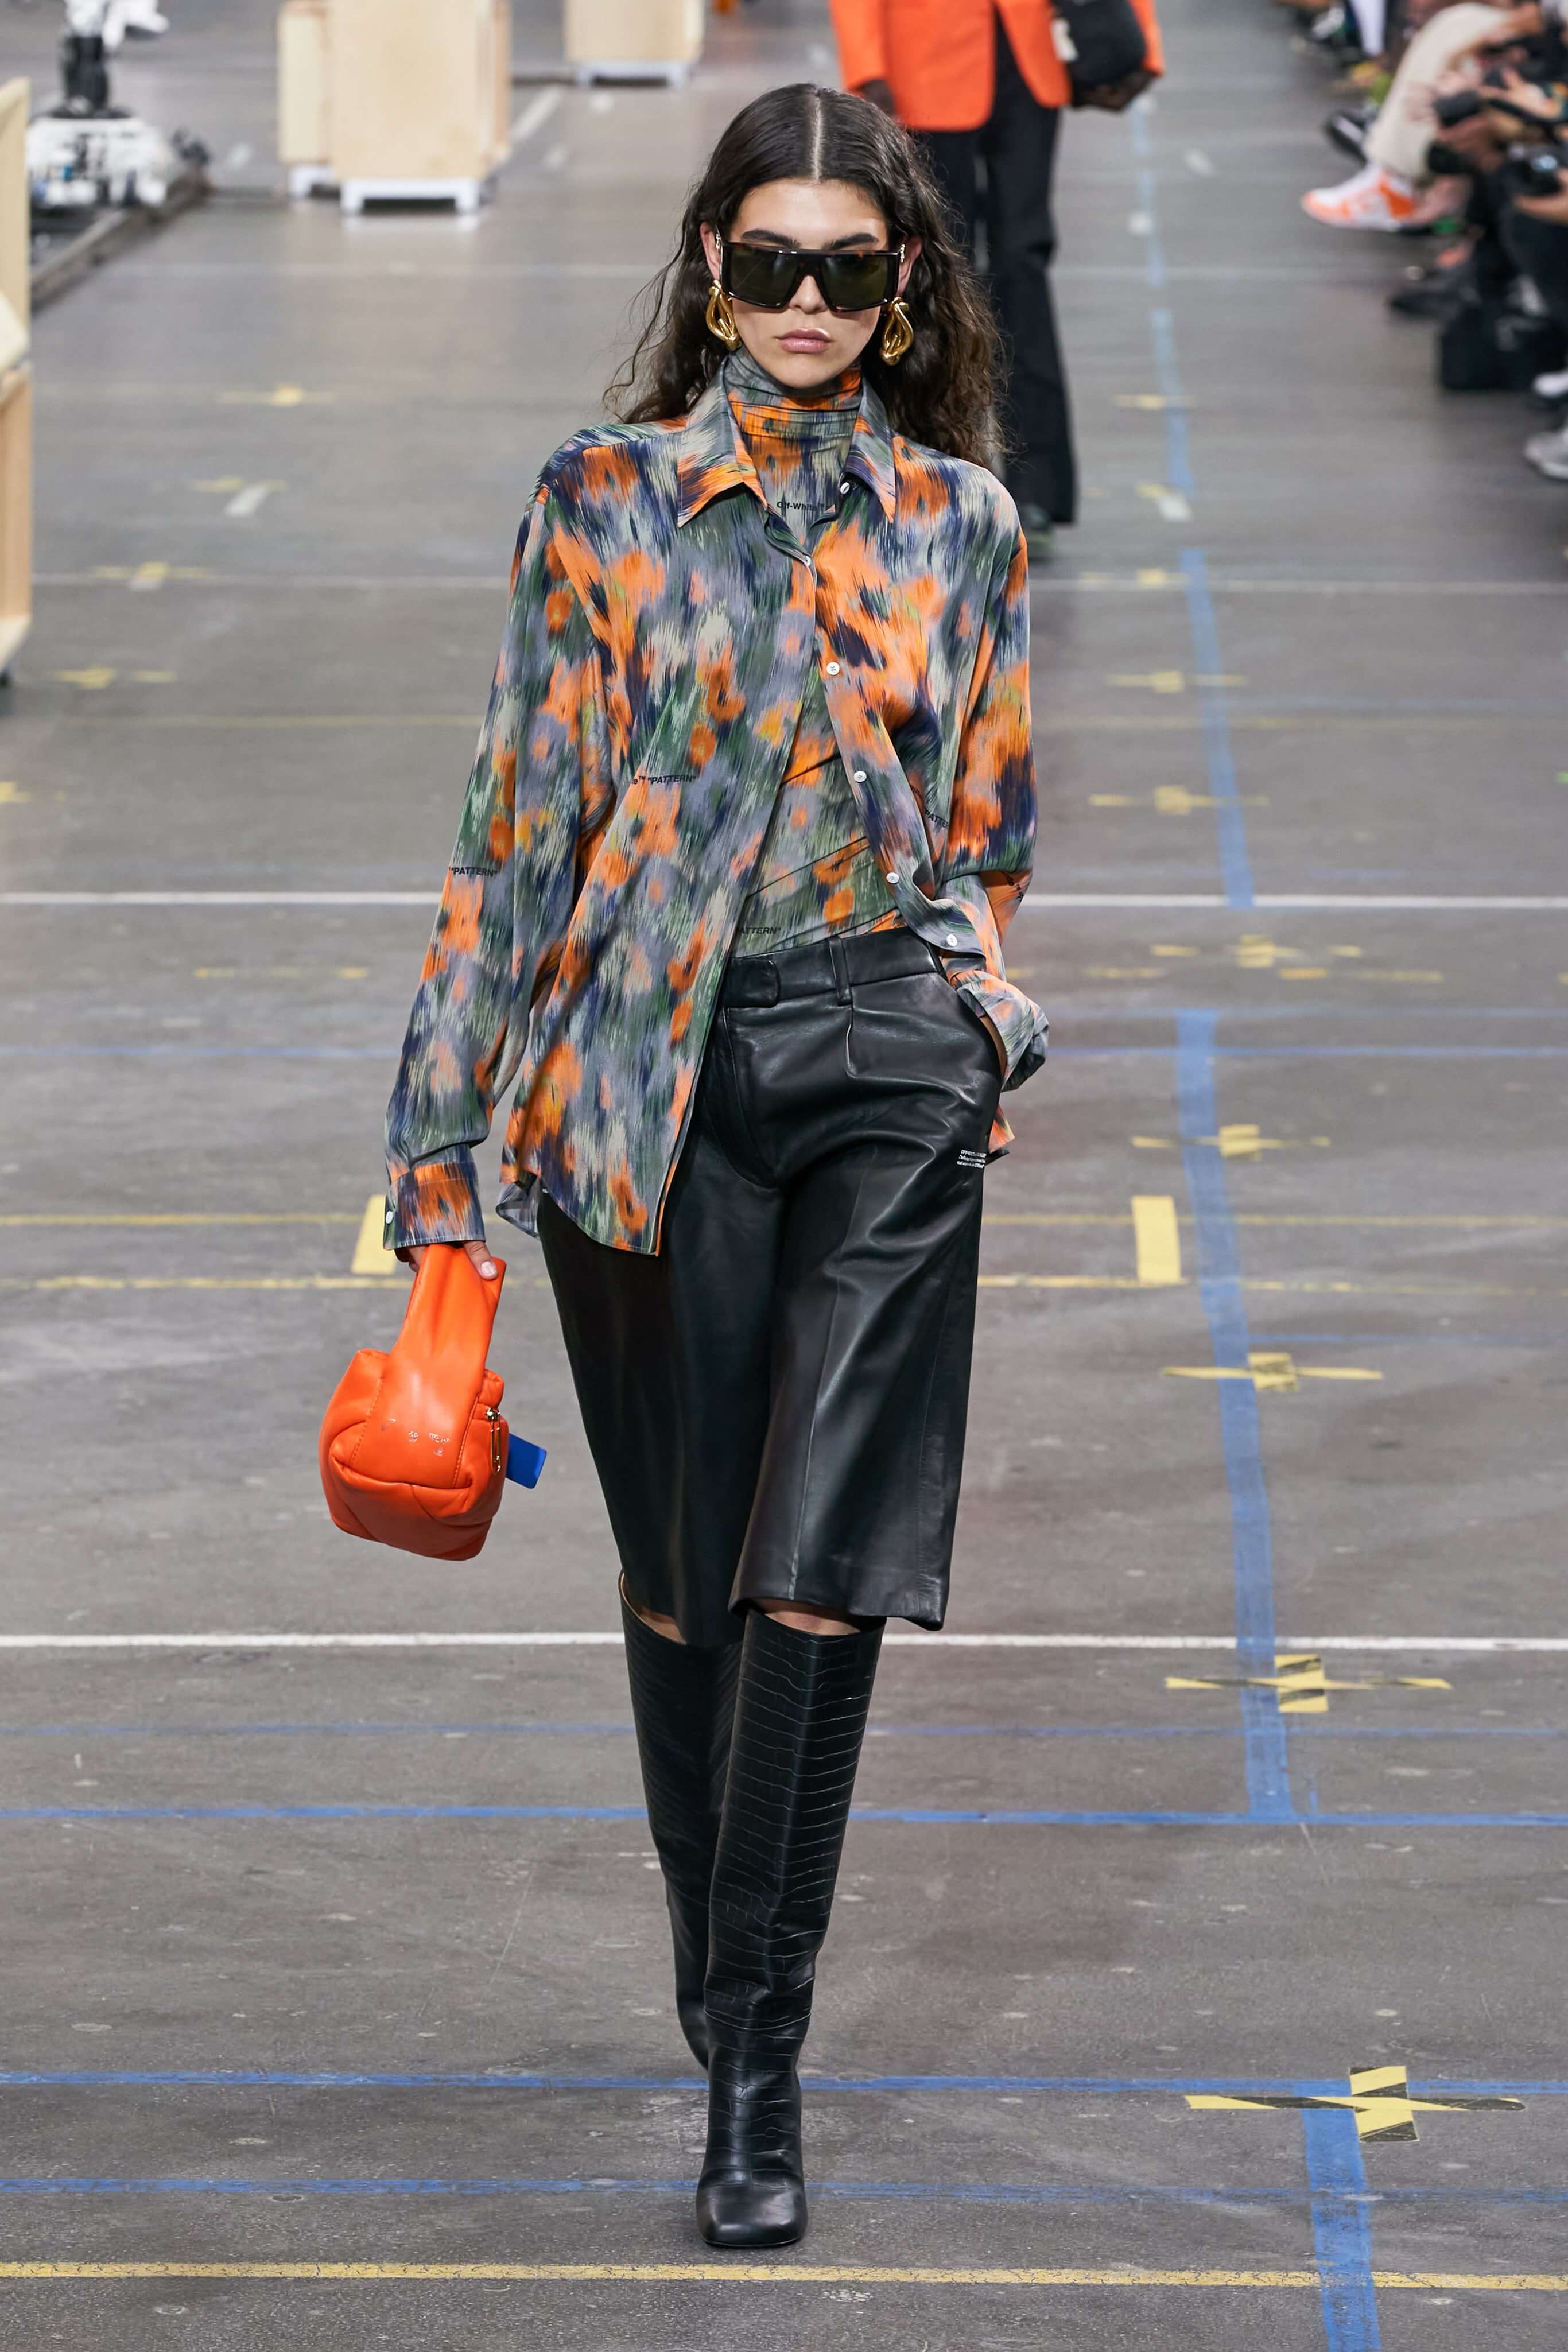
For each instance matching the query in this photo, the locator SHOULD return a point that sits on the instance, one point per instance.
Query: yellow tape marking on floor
(1301, 1683)
(1383, 2109)
(1379, 2098)
(781, 2274)
(1268, 1368)
(369, 1256)
(1498, 2282)
(772, 2273)
(1156, 1240)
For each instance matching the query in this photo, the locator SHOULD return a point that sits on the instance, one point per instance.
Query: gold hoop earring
(897, 334)
(720, 317)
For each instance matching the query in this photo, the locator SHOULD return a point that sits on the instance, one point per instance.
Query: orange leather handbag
(414, 1450)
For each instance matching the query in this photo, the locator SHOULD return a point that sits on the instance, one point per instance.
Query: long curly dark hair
(944, 392)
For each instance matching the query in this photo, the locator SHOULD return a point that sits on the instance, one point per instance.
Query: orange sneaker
(1372, 198)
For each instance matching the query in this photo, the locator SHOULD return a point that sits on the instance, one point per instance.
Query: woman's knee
(811, 1621)
(651, 1618)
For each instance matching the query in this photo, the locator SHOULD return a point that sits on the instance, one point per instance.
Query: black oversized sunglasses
(770, 276)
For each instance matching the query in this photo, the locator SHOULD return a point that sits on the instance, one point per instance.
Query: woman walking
(752, 803)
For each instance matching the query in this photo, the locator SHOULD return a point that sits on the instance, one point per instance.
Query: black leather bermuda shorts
(776, 1403)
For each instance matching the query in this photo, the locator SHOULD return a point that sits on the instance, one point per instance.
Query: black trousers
(776, 1403)
(1017, 147)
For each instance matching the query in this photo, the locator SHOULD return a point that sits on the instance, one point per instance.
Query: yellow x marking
(1301, 1683)
(1269, 1368)
(1379, 2098)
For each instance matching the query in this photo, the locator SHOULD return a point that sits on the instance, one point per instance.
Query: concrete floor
(347, 1955)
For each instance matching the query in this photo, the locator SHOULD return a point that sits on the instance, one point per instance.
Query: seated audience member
(1474, 124)
(1386, 193)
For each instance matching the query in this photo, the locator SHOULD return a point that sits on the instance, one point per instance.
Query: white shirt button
(892, 877)
(953, 939)
(860, 775)
(833, 669)
(843, 490)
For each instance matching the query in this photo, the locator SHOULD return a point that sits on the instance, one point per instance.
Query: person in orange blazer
(983, 81)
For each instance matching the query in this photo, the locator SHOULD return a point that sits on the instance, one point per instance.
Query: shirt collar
(712, 457)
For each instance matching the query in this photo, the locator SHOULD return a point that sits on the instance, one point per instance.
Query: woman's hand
(1527, 96)
(948, 974)
(479, 1254)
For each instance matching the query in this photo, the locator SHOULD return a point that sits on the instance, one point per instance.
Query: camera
(1532, 172)
(1459, 106)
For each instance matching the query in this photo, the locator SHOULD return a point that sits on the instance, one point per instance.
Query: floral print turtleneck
(816, 874)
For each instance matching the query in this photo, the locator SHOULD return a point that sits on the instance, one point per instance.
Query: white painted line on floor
(1316, 902)
(1328, 904)
(534, 115)
(217, 897)
(1479, 1644)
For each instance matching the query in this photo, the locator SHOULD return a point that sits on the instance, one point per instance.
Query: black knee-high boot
(800, 1717)
(683, 1702)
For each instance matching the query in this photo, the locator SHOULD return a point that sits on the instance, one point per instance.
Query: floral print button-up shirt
(661, 629)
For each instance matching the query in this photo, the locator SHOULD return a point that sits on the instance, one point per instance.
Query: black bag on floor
(1485, 343)
(1100, 42)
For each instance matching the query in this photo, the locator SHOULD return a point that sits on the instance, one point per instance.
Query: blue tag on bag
(523, 1462)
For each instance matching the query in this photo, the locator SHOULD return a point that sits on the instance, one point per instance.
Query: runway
(1195, 1977)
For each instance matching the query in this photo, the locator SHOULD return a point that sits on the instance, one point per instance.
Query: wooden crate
(15, 378)
(633, 39)
(416, 108)
(500, 82)
(304, 88)
(15, 511)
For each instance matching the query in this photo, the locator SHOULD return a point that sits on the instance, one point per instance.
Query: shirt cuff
(1016, 1019)
(436, 1200)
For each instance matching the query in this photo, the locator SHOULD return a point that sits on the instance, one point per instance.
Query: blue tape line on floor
(1235, 865)
(1219, 1291)
(1178, 455)
(1341, 2230)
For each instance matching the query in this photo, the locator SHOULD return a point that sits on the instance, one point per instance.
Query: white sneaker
(1371, 198)
(1548, 453)
(1552, 387)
